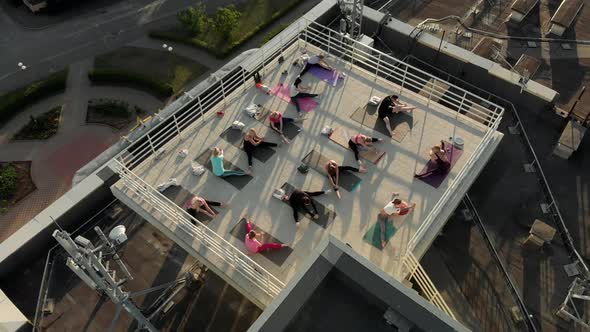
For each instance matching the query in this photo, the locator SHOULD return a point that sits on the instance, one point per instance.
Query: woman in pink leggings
(253, 245)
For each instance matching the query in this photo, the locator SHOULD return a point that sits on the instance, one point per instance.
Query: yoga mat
(348, 180)
(181, 196)
(236, 138)
(341, 137)
(326, 216)
(401, 123)
(237, 181)
(331, 76)
(373, 235)
(277, 256)
(284, 92)
(290, 130)
(436, 180)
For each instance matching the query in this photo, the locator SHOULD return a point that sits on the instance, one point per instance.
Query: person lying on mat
(300, 199)
(252, 141)
(252, 244)
(278, 121)
(334, 170)
(217, 164)
(300, 91)
(396, 207)
(198, 203)
(316, 61)
(439, 156)
(360, 141)
(389, 106)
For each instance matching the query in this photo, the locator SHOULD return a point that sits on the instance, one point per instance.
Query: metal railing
(197, 231)
(302, 33)
(551, 204)
(412, 270)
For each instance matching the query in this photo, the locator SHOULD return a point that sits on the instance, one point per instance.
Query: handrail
(563, 230)
(417, 272)
(198, 231)
(376, 63)
(512, 286)
(305, 31)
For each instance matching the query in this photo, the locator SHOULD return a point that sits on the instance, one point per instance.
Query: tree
(193, 19)
(226, 20)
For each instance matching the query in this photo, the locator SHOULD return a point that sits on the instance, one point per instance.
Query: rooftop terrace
(370, 74)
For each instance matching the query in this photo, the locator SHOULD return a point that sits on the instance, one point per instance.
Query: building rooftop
(359, 296)
(357, 212)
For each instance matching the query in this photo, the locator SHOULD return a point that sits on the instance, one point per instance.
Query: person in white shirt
(316, 61)
(300, 91)
(396, 207)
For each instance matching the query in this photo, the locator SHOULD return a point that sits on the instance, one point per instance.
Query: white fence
(146, 195)
(301, 33)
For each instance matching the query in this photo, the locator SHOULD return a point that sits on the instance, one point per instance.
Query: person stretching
(299, 91)
(217, 165)
(316, 61)
(439, 156)
(363, 142)
(334, 170)
(300, 199)
(252, 244)
(253, 141)
(197, 204)
(389, 106)
(278, 121)
(397, 207)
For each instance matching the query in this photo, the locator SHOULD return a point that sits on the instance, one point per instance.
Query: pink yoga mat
(331, 76)
(436, 180)
(284, 92)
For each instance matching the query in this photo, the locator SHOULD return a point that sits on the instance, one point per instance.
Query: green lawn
(142, 65)
(256, 15)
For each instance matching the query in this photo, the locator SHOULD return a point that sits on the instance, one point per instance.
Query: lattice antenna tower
(352, 10)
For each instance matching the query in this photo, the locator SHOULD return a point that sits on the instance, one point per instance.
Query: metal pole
(151, 144)
(176, 123)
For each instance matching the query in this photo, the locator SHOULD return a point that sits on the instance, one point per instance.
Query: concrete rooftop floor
(357, 211)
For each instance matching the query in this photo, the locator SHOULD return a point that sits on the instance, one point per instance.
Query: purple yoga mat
(284, 92)
(330, 76)
(436, 180)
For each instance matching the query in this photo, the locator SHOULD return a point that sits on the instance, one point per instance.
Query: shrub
(117, 109)
(226, 20)
(107, 76)
(8, 181)
(42, 126)
(14, 101)
(193, 19)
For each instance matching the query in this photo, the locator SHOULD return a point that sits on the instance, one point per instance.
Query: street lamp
(22, 66)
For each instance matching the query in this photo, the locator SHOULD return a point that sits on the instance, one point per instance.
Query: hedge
(121, 77)
(177, 37)
(8, 181)
(13, 102)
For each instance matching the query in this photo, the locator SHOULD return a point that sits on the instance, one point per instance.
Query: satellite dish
(118, 235)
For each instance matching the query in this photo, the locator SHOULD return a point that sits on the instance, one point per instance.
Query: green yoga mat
(373, 235)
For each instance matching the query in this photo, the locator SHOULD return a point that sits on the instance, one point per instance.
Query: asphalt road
(53, 48)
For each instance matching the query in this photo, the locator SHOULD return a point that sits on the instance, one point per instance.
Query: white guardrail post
(375, 61)
(241, 263)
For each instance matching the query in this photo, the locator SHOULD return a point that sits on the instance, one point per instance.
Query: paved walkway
(56, 160)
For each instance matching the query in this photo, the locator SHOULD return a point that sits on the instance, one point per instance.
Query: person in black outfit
(251, 142)
(301, 200)
(390, 106)
(439, 156)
